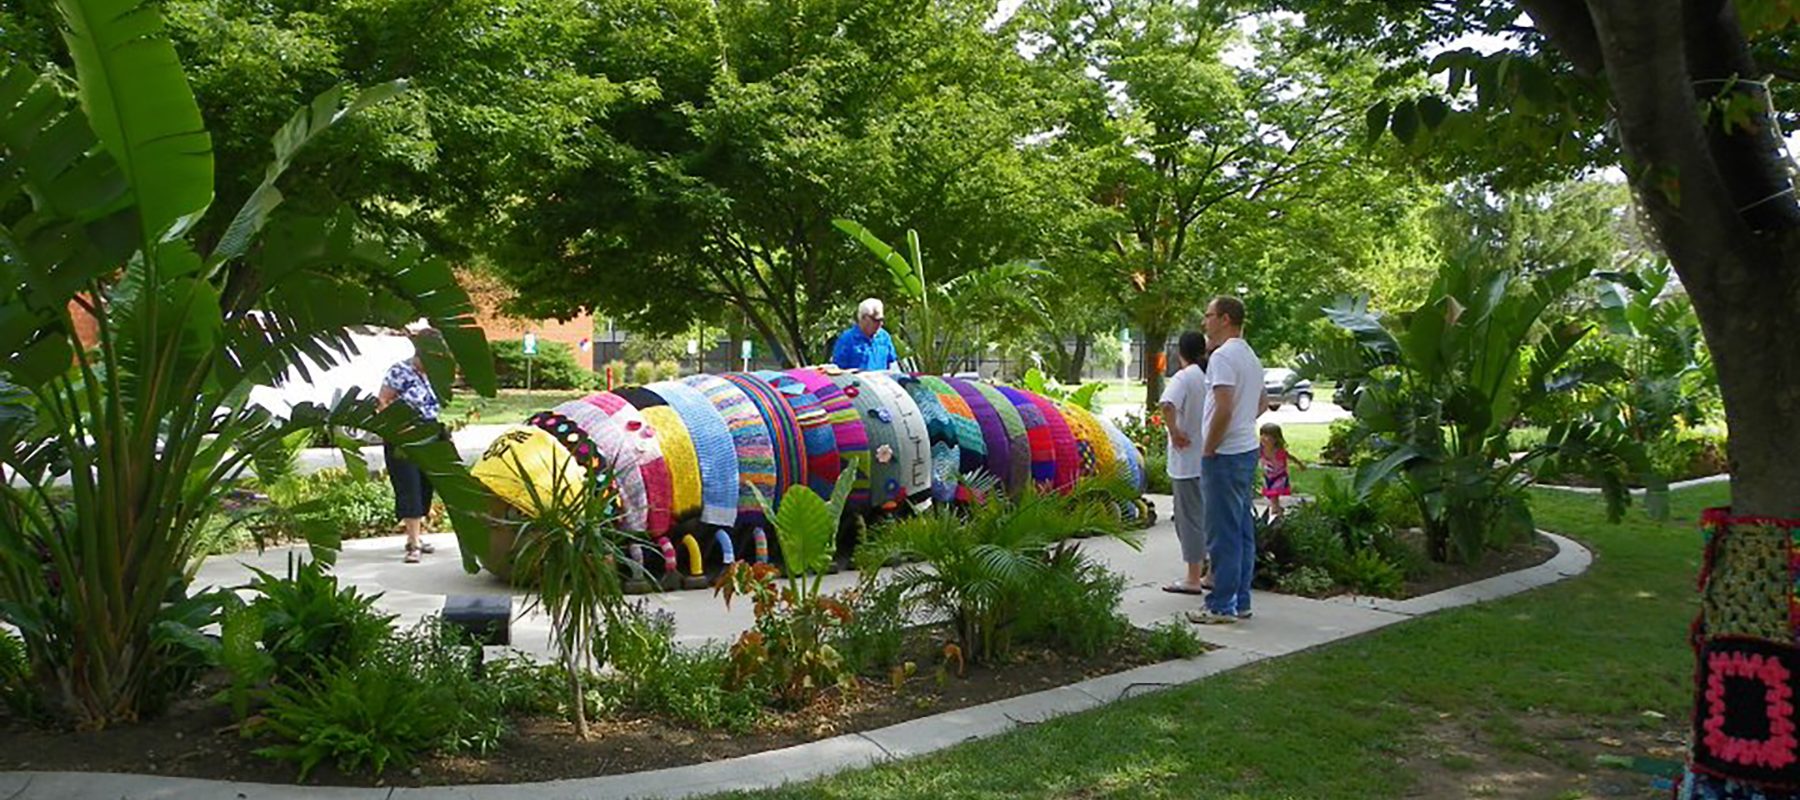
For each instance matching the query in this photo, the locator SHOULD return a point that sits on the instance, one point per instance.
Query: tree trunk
(1076, 363)
(1155, 341)
(1729, 229)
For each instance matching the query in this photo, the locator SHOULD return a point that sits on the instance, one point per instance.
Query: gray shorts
(1190, 517)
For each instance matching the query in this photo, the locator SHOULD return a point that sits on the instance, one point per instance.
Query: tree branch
(1569, 25)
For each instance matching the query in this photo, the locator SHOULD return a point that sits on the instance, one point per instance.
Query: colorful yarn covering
(911, 430)
(659, 488)
(847, 430)
(684, 454)
(678, 453)
(784, 431)
(946, 449)
(713, 447)
(882, 481)
(1037, 436)
(1746, 736)
(972, 448)
(1068, 453)
(1018, 443)
(1127, 452)
(621, 451)
(1096, 449)
(993, 431)
(817, 436)
(750, 439)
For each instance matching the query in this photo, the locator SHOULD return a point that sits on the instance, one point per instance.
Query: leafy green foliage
(690, 685)
(327, 505)
(1073, 607)
(947, 321)
(1173, 638)
(1306, 581)
(416, 694)
(979, 573)
(553, 367)
(16, 692)
(874, 638)
(148, 421)
(571, 548)
(309, 625)
(790, 653)
(1087, 395)
(1439, 387)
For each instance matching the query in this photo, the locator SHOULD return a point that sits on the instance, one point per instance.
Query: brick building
(488, 295)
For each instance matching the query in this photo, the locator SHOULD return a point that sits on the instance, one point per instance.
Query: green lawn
(511, 405)
(1536, 679)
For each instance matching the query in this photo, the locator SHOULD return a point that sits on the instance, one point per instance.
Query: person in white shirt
(1183, 401)
(1228, 452)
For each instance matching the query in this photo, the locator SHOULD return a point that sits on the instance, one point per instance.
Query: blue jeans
(1225, 483)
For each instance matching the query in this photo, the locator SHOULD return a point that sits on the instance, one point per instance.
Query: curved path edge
(1272, 634)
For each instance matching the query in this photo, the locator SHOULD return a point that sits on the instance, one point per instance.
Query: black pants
(412, 487)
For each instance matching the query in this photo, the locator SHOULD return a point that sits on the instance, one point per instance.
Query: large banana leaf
(79, 225)
(138, 102)
(905, 276)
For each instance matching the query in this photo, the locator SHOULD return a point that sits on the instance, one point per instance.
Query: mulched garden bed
(196, 739)
(1494, 562)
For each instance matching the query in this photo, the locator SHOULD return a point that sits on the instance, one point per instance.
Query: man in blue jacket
(865, 345)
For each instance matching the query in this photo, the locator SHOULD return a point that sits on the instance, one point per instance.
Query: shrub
(415, 695)
(1156, 475)
(1367, 572)
(330, 503)
(554, 366)
(1311, 540)
(1172, 639)
(1688, 454)
(643, 372)
(1307, 581)
(1342, 442)
(1146, 432)
(310, 626)
(15, 676)
(978, 572)
(873, 640)
(620, 372)
(668, 370)
(1073, 606)
(688, 685)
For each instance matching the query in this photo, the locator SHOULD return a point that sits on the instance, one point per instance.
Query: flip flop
(1178, 587)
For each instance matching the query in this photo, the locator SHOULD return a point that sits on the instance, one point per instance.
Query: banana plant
(145, 415)
(1439, 387)
(972, 300)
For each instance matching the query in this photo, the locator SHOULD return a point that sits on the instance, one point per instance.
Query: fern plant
(975, 572)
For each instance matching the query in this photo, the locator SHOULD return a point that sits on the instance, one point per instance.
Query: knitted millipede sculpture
(685, 454)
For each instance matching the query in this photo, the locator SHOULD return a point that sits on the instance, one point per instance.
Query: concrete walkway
(1282, 625)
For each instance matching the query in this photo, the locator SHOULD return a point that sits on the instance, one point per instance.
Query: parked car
(1283, 385)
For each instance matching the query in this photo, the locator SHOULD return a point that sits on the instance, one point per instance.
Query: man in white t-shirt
(1182, 405)
(1228, 453)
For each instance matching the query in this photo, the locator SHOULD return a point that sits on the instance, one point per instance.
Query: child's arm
(1297, 461)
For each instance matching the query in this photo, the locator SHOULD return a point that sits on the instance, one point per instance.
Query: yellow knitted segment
(1087, 429)
(678, 453)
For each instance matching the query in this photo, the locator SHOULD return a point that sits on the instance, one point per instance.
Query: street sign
(531, 344)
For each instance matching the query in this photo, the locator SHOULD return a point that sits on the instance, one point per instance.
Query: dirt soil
(1546, 756)
(1495, 562)
(197, 739)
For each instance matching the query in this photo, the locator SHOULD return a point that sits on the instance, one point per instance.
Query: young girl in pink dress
(1275, 461)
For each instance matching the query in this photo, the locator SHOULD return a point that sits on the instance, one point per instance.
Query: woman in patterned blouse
(407, 383)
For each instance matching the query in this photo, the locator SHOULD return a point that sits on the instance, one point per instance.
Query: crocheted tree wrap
(1747, 667)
